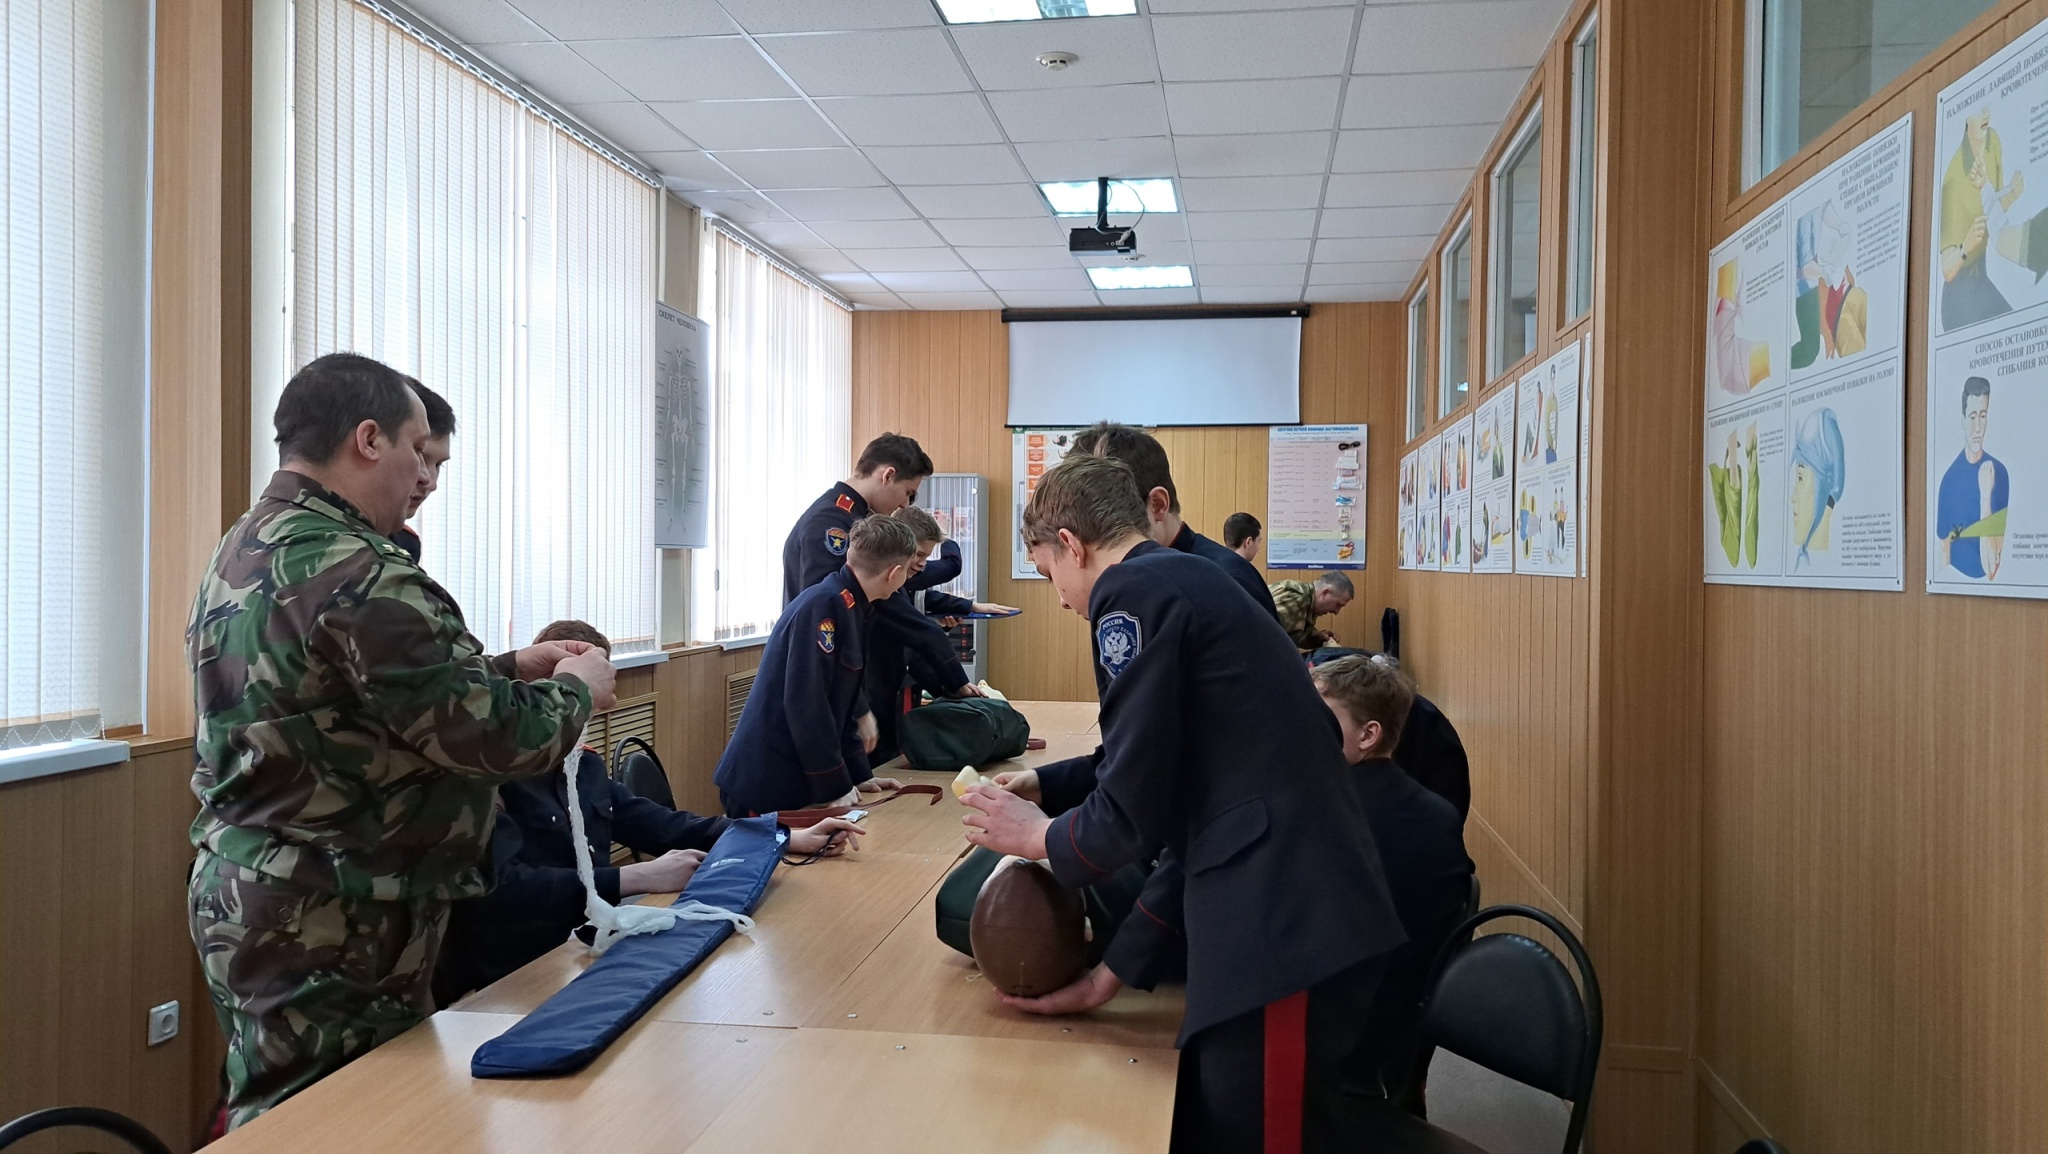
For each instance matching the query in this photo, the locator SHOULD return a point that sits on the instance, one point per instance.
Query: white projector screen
(1199, 371)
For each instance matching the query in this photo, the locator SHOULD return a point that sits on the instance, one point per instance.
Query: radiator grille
(737, 687)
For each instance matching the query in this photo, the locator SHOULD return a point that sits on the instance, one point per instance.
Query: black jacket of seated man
(1429, 876)
(1240, 570)
(538, 899)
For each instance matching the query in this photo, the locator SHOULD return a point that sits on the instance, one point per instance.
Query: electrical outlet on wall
(163, 1023)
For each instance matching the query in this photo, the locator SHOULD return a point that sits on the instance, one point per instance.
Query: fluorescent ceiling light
(1078, 197)
(991, 11)
(1152, 276)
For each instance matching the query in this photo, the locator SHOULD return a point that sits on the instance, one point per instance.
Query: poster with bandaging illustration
(1492, 496)
(1802, 454)
(1454, 522)
(1986, 532)
(1546, 450)
(1404, 513)
(1429, 506)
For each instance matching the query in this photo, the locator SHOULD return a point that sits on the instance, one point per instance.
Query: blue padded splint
(569, 1030)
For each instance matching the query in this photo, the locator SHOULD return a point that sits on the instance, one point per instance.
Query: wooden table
(841, 1022)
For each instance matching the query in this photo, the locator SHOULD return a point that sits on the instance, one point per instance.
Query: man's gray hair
(1338, 582)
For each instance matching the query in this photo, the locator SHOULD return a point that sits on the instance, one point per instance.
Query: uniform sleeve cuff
(607, 881)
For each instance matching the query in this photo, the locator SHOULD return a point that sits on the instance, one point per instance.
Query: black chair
(1760, 1146)
(641, 772)
(1505, 1002)
(85, 1118)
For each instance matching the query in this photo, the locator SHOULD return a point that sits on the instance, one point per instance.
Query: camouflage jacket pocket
(247, 898)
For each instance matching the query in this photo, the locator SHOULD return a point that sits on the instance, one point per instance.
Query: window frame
(1463, 233)
(1527, 139)
(1418, 417)
(1583, 169)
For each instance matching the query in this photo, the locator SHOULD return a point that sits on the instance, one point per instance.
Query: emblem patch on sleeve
(1117, 641)
(828, 635)
(845, 503)
(835, 541)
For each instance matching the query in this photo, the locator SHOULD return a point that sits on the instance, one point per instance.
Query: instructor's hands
(593, 669)
(1084, 993)
(538, 660)
(1004, 822)
(1023, 783)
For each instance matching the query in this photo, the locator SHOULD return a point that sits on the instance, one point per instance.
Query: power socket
(163, 1023)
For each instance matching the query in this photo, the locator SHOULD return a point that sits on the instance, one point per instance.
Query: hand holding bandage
(1005, 822)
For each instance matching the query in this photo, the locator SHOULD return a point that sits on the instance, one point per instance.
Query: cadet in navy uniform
(885, 479)
(1217, 748)
(796, 744)
(537, 899)
(1147, 459)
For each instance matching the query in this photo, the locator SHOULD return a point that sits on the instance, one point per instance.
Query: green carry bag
(956, 732)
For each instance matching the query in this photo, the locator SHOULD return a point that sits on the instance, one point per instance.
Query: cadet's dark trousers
(304, 982)
(1268, 1082)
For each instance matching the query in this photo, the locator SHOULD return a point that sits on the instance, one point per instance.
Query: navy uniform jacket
(817, 547)
(1217, 749)
(538, 899)
(1241, 571)
(1422, 851)
(1430, 750)
(795, 744)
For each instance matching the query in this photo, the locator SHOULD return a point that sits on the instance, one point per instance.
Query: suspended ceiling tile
(1088, 159)
(1251, 294)
(1334, 294)
(617, 19)
(1368, 189)
(834, 204)
(765, 16)
(1252, 251)
(1253, 45)
(1002, 232)
(1095, 113)
(739, 207)
(1217, 275)
(1440, 37)
(817, 260)
(554, 68)
(941, 118)
(1362, 272)
(696, 68)
(1375, 248)
(968, 201)
(632, 126)
(1235, 106)
(480, 21)
(948, 164)
(787, 235)
(1113, 50)
(877, 301)
(1285, 224)
(952, 301)
(1422, 99)
(1403, 149)
(906, 259)
(897, 62)
(686, 171)
(1032, 299)
(803, 168)
(1403, 220)
(1249, 193)
(1018, 257)
(750, 124)
(870, 234)
(1256, 154)
(1071, 279)
(931, 282)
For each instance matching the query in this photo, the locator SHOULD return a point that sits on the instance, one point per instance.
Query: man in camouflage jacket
(1299, 603)
(351, 733)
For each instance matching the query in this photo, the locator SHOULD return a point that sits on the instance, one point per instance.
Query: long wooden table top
(842, 999)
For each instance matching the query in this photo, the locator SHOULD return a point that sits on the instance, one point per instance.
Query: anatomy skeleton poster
(1803, 459)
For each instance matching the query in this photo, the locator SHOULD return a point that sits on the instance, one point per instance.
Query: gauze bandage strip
(616, 922)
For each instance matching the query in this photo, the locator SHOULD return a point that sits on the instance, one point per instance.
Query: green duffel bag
(1108, 901)
(956, 732)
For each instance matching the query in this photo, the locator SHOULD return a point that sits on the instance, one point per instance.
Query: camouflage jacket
(1295, 602)
(351, 731)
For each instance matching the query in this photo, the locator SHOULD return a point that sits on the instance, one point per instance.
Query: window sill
(60, 758)
(636, 660)
(754, 642)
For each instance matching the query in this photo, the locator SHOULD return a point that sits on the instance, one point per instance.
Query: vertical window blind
(452, 232)
(74, 111)
(782, 419)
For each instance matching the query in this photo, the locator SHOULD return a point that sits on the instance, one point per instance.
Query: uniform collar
(850, 594)
(295, 488)
(1148, 545)
(1184, 541)
(848, 499)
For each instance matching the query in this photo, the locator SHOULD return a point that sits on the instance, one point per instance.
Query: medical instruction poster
(1987, 318)
(1033, 452)
(1315, 497)
(1546, 446)
(1492, 496)
(1429, 468)
(1454, 523)
(1803, 460)
(682, 430)
(1409, 545)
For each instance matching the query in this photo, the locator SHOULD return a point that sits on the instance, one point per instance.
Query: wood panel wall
(943, 377)
(1875, 883)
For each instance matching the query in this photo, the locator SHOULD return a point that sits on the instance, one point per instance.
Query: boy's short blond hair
(1369, 689)
(1094, 498)
(878, 544)
(921, 523)
(572, 630)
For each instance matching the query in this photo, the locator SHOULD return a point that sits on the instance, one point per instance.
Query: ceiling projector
(1103, 237)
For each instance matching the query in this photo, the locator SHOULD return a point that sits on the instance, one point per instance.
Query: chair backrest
(1760, 1146)
(1507, 1003)
(86, 1118)
(641, 771)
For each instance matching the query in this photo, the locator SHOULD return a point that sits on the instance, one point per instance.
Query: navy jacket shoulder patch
(1118, 638)
(845, 503)
(828, 635)
(835, 541)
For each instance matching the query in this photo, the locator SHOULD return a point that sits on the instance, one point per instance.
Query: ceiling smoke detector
(1055, 61)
